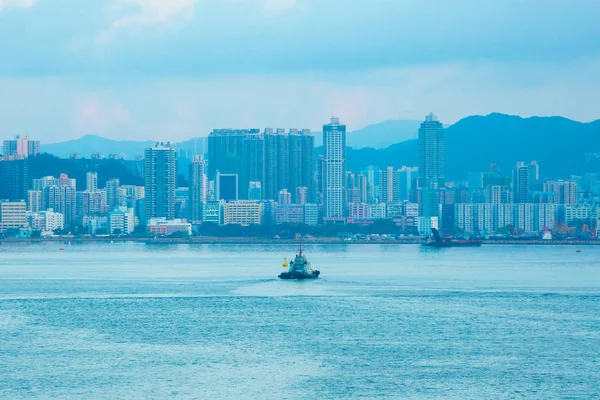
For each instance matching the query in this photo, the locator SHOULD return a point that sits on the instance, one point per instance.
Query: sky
(175, 69)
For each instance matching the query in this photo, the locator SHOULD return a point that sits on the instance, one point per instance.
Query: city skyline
(272, 177)
(138, 68)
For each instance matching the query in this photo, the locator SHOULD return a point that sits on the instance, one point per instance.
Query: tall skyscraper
(522, 181)
(91, 182)
(431, 152)
(431, 164)
(198, 187)
(161, 175)
(21, 146)
(334, 174)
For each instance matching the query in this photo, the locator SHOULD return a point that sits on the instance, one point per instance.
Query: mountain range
(561, 146)
(378, 136)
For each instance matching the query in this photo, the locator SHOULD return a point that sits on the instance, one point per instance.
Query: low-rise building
(164, 227)
(13, 215)
(243, 213)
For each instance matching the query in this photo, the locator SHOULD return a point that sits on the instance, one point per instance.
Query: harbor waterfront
(128, 320)
(272, 241)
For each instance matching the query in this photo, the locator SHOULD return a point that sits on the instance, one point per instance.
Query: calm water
(124, 321)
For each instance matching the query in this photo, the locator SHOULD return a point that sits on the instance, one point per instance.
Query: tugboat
(299, 268)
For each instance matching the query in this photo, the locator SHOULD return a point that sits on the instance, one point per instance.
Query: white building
(13, 215)
(463, 216)
(243, 213)
(411, 209)
(121, 220)
(395, 210)
(334, 171)
(47, 221)
(164, 227)
(580, 212)
(34, 201)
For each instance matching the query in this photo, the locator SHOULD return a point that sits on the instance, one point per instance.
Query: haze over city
(151, 69)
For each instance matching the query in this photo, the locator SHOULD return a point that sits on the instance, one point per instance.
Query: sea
(149, 321)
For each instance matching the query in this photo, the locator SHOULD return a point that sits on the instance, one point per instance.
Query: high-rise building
(283, 160)
(407, 178)
(334, 151)
(301, 195)
(226, 152)
(431, 153)
(386, 185)
(319, 172)
(41, 183)
(307, 179)
(21, 146)
(431, 164)
(284, 197)
(198, 187)
(522, 181)
(254, 162)
(112, 193)
(14, 178)
(91, 182)
(161, 175)
(497, 194)
(62, 199)
(372, 174)
(565, 191)
(361, 185)
(34, 201)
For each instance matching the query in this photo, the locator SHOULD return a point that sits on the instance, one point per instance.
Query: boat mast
(300, 247)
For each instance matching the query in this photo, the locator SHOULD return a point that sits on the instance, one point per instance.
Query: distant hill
(561, 146)
(380, 135)
(89, 144)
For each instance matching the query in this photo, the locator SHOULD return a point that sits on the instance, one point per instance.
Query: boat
(447, 242)
(299, 268)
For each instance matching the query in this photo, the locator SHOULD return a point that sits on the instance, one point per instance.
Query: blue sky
(174, 69)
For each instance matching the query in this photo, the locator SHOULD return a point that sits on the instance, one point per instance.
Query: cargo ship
(299, 268)
(438, 241)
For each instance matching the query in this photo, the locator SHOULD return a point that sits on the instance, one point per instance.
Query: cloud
(275, 7)
(16, 4)
(137, 14)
